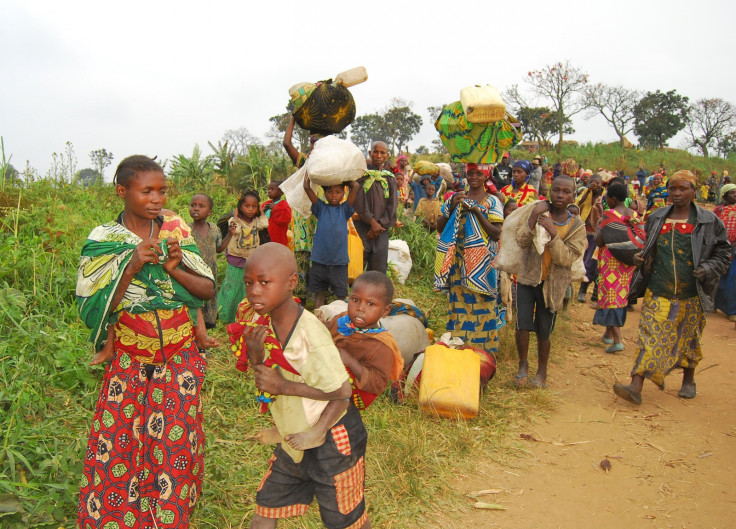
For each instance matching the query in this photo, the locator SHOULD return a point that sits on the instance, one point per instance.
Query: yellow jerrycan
(450, 384)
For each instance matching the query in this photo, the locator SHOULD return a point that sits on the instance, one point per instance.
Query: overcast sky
(156, 77)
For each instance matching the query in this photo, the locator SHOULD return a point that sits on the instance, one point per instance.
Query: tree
(563, 85)
(278, 127)
(541, 123)
(400, 124)
(366, 129)
(241, 139)
(727, 144)
(658, 116)
(708, 122)
(223, 157)
(88, 177)
(616, 104)
(194, 172)
(100, 160)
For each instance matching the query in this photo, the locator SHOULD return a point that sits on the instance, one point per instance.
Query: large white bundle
(293, 188)
(399, 257)
(334, 161)
(409, 333)
(482, 104)
(446, 173)
(510, 254)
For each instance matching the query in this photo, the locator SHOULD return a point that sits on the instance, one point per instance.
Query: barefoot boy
(297, 370)
(543, 279)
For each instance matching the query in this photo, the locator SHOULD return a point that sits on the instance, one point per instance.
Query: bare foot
(268, 436)
(312, 438)
(104, 355)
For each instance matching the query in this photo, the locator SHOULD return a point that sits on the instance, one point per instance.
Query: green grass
(48, 392)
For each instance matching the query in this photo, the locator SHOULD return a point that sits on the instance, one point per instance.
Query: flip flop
(520, 381)
(687, 391)
(626, 393)
(615, 348)
(537, 384)
(607, 340)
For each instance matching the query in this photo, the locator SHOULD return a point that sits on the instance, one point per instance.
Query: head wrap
(483, 168)
(402, 157)
(505, 155)
(526, 166)
(685, 175)
(725, 189)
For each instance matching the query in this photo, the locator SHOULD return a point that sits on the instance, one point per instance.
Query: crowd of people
(147, 289)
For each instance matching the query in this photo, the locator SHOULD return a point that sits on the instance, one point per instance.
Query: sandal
(520, 381)
(615, 348)
(607, 340)
(626, 393)
(538, 384)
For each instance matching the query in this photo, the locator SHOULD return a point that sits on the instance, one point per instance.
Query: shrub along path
(671, 460)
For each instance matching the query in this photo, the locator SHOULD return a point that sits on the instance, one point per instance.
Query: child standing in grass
(141, 275)
(208, 239)
(280, 333)
(428, 208)
(543, 279)
(329, 257)
(239, 243)
(278, 213)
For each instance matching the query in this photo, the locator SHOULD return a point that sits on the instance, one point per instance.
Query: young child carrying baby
(297, 370)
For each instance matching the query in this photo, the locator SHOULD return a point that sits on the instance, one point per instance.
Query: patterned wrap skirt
(144, 461)
(474, 317)
(670, 332)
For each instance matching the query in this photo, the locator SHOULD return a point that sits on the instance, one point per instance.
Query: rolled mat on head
(622, 237)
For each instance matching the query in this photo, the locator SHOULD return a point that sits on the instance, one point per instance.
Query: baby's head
(334, 194)
(509, 207)
(270, 276)
(274, 191)
(370, 299)
(200, 207)
(574, 209)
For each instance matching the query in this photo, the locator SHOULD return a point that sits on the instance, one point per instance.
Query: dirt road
(672, 461)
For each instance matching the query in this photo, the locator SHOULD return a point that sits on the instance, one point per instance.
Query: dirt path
(672, 460)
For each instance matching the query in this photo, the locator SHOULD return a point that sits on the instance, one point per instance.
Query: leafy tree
(401, 124)
(278, 127)
(541, 123)
(366, 129)
(727, 144)
(439, 147)
(563, 85)
(434, 112)
(100, 159)
(194, 172)
(658, 116)
(240, 140)
(88, 177)
(422, 149)
(616, 104)
(708, 121)
(223, 157)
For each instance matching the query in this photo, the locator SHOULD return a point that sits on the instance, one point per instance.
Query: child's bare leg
(316, 435)
(522, 349)
(107, 352)
(616, 332)
(543, 347)
(259, 522)
(268, 436)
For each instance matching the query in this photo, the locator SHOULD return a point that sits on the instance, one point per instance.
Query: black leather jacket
(711, 251)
